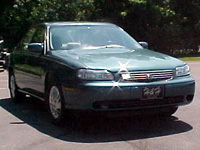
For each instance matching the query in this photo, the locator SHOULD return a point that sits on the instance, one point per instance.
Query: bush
(184, 52)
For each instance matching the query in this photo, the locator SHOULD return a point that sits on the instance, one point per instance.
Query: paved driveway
(25, 126)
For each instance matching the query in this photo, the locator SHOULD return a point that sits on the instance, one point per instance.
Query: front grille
(137, 103)
(149, 76)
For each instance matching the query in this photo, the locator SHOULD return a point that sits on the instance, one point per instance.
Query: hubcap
(12, 86)
(55, 102)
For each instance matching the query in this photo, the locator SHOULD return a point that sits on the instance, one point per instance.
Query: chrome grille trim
(149, 76)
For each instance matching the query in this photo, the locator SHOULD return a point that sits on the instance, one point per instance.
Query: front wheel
(55, 104)
(16, 96)
(172, 110)
(169, 111)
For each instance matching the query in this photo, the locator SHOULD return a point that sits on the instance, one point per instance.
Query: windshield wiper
(112, 46)
(104, 47)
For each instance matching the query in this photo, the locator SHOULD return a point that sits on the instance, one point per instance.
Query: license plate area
(152, 92)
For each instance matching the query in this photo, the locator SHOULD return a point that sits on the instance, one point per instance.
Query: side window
(27, 39)
(38, 36)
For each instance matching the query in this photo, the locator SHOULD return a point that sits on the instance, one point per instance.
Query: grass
(189, 58)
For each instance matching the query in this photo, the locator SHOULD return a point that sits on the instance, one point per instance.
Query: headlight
(182, 71)
(87, 74)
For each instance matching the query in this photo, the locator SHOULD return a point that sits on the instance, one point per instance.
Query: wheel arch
(50, 75)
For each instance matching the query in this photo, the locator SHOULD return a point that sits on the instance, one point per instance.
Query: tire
(55, 103)
(16, 96)
(172, 111)
(169, 112)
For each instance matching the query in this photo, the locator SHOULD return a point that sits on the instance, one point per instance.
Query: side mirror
(144, 45)
(35, 47)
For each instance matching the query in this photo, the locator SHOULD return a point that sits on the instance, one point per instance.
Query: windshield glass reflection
(90, 37)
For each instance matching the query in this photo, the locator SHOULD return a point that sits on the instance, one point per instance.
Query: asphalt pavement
(25, 126)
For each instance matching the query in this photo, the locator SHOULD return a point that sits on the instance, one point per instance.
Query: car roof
(75, 23)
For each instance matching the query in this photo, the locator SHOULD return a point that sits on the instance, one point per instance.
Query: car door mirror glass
(145, 45)
(35, 47)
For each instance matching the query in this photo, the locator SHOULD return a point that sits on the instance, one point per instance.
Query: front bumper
(108, 95)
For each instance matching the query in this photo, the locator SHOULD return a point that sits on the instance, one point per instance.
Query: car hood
(114, 59)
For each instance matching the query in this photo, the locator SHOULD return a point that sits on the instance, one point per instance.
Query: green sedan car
(96, 67)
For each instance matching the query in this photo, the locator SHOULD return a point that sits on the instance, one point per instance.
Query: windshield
(90, 37)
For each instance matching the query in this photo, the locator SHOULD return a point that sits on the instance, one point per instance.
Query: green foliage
(24, 13)
(164, 24)
(190, 58)
(184, 52)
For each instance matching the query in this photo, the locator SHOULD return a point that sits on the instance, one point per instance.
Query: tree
(165, 24)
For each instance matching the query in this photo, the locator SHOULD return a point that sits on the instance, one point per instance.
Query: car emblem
(149, 76)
